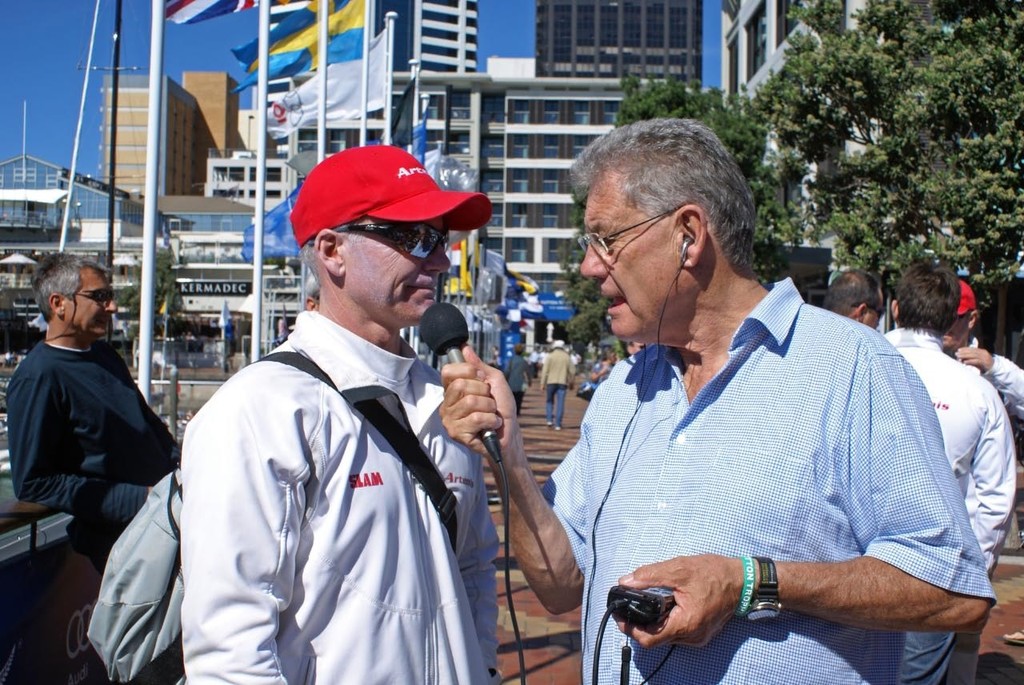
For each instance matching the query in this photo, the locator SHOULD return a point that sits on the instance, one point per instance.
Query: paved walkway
(551, 644)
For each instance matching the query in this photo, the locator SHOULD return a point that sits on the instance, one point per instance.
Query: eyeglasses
(417, 240)
(100, 296)
(603, 243)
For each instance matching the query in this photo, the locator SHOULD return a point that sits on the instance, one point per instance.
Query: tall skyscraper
(440, 33)
(612, 38)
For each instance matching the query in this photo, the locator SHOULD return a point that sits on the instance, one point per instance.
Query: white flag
(298, 108)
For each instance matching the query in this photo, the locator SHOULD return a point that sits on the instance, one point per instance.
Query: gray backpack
(136, 623)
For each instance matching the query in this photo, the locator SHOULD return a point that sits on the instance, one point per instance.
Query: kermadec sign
(215, 288)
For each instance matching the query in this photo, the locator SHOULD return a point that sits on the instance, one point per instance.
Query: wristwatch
(765, 603)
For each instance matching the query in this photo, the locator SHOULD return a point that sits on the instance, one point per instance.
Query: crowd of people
(817, 498)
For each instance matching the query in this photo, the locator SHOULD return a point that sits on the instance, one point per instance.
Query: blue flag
(278, 238)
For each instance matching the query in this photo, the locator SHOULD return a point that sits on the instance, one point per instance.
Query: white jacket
(367, 589)
(976, 432)
(1008, 379)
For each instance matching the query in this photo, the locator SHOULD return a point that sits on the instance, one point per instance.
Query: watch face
(762, 611)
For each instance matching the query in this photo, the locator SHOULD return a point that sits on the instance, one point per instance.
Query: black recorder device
(641, 607)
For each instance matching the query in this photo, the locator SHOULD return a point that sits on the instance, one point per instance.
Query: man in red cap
(342, 571)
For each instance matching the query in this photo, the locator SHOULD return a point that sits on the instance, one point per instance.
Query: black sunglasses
(417, 240)
(100, 296)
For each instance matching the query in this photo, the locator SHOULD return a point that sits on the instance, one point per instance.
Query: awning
(46, 196)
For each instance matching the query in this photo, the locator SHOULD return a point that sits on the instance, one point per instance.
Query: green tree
(588, 325)
(166, 291)
(908, 129)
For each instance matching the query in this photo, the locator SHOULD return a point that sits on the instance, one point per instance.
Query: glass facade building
(657, 39)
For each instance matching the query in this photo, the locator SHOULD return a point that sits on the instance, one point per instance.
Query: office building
(199, 117)
(657, 39)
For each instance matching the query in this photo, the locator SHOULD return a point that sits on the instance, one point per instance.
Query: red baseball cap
(967, 301)
(383, 182)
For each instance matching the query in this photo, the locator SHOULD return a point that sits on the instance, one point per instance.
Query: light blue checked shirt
(815, 442)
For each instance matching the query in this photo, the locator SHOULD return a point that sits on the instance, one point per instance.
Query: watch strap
(767, 586)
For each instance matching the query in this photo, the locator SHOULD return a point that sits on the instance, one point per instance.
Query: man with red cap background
(1003, 374)
(978, 443)
(345, 574)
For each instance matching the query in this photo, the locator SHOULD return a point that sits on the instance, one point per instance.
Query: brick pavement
(551, 644)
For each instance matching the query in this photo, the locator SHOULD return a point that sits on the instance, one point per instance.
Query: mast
(112, 158)
(78, 131)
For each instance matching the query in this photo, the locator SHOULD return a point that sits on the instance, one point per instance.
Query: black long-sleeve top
(84, 441)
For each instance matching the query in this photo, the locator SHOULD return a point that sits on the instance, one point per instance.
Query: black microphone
(444, 330)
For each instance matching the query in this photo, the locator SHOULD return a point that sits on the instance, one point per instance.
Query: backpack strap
(383, 409)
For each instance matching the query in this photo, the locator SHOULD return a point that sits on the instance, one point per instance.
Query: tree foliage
(909, 131)
(166, 291)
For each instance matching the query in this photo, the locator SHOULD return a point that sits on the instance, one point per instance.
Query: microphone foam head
(443, 327)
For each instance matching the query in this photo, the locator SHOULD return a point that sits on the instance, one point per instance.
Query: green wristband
(746, 598)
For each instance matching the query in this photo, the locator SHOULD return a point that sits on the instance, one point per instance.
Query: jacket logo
(365, 480)
(402, 171)
(461, 480)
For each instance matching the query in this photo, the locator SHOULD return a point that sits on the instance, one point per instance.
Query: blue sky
(44, 45)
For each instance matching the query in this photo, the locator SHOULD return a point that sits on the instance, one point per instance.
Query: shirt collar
(776, 314)
(914, 337)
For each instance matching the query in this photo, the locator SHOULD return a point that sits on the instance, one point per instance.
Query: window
(520, 111)
(757, 41)
(517, 218)
(520, 181)
(518, 250)
(273, 174)
(581, 112)
(578, 143)
(550, 147)
(460, 105)
(458, 142)
(549, 218)
(733, 86)
(549, 182)
(609, 111)
(551, 111)
(520, 146)
(492, 181)
(784, 22)
(553, 250)
(493, 108)
(492, 146)
(497, 215)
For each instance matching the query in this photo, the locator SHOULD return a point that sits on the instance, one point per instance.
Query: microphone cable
(508, 573)
(641, 392)
(626, 654)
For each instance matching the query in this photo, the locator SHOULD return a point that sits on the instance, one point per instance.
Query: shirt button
(681, 439)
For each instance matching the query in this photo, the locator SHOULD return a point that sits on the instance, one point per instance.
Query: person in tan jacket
(557, 376)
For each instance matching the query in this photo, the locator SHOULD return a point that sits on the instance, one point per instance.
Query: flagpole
(389, 66)
(147, 288)
(364, 99)
(321, 138)
(78, 132)
(256, 348)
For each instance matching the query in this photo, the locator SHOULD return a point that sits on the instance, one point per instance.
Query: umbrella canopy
(18, 259)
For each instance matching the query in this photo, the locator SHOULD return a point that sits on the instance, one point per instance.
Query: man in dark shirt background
(82, 438)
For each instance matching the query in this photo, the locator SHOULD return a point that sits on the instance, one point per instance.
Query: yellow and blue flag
(293, 42)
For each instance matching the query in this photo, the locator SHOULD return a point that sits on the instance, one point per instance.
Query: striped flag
(192, 11)
(293, 42)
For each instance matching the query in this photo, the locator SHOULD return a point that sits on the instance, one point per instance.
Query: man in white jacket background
(344, 574)
(978, 442)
